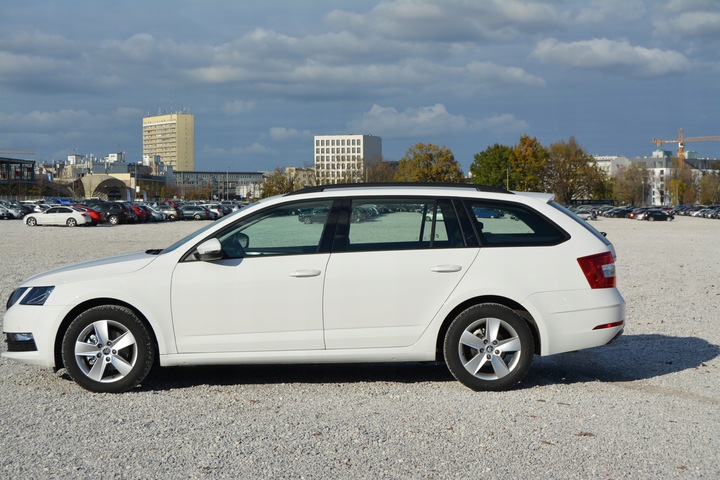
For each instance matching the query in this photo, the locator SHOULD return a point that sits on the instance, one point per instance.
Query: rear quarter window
(509, 225)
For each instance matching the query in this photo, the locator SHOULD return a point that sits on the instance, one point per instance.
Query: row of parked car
(95, 212)
(647, 213)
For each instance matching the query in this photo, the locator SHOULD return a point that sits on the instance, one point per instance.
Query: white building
(345, 158)
(611, 164)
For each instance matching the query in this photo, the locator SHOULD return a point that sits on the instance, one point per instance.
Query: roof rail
(473, 186)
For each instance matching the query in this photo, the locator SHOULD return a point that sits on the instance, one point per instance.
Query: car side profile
(62, 215)
(482, 294)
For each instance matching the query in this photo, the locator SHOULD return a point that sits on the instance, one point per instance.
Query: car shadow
(223, 375)
(630, 358)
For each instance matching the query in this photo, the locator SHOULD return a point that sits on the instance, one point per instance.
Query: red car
(95, 216)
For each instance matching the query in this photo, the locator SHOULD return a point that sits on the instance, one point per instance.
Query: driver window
(283, 230)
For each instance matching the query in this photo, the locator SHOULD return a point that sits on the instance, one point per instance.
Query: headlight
(15, 296)
(35, 296)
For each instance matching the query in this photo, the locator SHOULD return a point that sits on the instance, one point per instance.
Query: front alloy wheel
(488, 347)
(108, 349)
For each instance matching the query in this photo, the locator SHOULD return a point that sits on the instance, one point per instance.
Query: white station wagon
(372, 281)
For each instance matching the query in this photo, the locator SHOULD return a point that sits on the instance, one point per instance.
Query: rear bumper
(579, 320)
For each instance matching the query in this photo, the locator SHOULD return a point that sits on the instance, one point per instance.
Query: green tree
(429, 163)
(276, 183)
(527, 165)
(571, 173)
(491, 166)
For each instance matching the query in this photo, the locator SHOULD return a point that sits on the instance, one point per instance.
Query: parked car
(197, 212)
(96, 217)
(115, 212)
(314, 215)
(655, 215)
(444, 291)
(13, 210)
(65, 215)
(155, 214)
(172, 212)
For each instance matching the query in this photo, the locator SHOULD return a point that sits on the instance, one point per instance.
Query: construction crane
(681, 144)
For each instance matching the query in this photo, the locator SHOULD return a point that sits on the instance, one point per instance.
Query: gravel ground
(647, 406)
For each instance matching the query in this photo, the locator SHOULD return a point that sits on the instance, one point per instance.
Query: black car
(657, 215)
(115, 212)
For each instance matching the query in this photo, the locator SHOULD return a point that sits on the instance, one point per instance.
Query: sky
(262, 77)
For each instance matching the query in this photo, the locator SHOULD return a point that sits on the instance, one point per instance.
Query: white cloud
(611, 56)
(281, 133)
(690, 24)
(59, 120)
(428, 121)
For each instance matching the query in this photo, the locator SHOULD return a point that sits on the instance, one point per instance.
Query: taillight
(599, 270)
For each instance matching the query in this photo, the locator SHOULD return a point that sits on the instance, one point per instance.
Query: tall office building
(171, 137)
(345, 158)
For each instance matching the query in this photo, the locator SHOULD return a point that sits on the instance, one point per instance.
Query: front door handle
(445, 268)
(305, 273)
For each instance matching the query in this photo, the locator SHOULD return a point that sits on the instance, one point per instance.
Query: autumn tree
(429, 163)
(382, 172)
(276, 183)
(527, 165)
(491, 166)
(571, 173)
(631, 184)
(682, 185)
(710, 188)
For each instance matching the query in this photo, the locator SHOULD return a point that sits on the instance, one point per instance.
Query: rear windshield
(582, 222)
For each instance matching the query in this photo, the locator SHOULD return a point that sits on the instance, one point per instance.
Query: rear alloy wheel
(488, 347)
(108, 349)
(31, 221)
(113, 219)
(71, 222)
(197, 216)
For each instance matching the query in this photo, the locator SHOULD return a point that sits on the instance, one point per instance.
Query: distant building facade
(171, 138)
(219, 185)
(345, 158)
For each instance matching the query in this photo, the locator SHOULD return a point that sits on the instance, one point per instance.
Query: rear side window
(507, 225)
(401, 224)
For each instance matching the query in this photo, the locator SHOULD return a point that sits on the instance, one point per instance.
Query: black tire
(113, 219)
(71, 222)
(172, 218)
(488, 361)
(31, 221)
(197, 216)
(95, 363)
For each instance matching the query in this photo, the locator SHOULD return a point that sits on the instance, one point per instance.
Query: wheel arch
(87, 305)
(487, 299)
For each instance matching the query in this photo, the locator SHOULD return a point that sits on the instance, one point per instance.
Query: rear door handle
(445, 268)
(305, 273)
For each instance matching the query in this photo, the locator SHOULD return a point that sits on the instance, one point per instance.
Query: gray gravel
(647, 406)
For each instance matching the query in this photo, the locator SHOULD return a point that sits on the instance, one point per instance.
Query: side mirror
(209, 250)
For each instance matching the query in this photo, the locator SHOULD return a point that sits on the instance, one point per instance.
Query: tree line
(564, 168)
